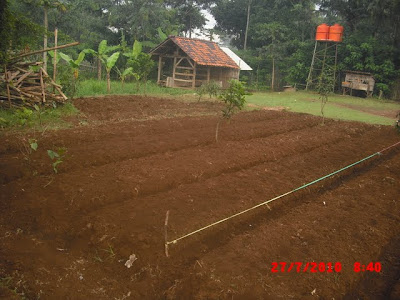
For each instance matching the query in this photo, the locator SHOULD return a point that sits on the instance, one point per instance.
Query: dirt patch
(68, 236)
(122, 108)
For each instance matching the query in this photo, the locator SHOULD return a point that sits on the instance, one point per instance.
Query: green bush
(211, 88)
(69, 83)
(234, 98)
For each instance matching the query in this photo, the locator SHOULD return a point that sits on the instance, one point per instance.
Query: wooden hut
(185, 62)
(361, 81)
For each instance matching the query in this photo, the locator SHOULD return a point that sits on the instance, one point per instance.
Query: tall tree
(189, 13)
(247, 24)
(273, 36)
(372, 43)
(17, 32)
(47, 5)
(5, 22)
(139, 19)
(231, 19)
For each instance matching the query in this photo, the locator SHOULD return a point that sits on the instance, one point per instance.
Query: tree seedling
(39, 113)
(234, 99)
(325, 87)
(28, 147)
(57, 157)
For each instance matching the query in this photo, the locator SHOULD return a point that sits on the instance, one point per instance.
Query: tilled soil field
(131, 159)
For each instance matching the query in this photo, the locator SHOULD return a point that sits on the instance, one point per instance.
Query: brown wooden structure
(188, 63)
(356, 80)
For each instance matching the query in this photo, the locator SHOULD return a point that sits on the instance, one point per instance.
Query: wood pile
(27, 84)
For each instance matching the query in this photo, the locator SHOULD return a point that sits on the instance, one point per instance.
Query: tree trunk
(46, 27)
(108, 82)
(190, 26)
(247, 25)
(55, 57)
(98, 68)
(273, 74)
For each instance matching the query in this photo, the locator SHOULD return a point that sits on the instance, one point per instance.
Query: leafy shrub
(211, 88)
(24, 116)
(68, 81)
(234, 98)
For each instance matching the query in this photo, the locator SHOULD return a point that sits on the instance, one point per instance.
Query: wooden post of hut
(159, 69)
(194, 76)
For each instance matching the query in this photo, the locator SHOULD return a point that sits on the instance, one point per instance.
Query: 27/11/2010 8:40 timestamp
(321, 267)
(300, 267)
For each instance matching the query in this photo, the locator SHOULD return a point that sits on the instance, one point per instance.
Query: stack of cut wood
(27, 84)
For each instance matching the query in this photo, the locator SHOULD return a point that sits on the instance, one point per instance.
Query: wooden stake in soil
(42, 85)
(166, 232)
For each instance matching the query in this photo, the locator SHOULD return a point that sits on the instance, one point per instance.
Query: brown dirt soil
(68, 235)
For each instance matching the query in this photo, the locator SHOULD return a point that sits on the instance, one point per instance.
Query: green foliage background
(280, 32)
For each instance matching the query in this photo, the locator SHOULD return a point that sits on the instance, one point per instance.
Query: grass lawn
(338, 107)
(46, 118)
(94, 87)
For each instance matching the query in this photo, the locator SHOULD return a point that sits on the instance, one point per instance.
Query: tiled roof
(204, 52)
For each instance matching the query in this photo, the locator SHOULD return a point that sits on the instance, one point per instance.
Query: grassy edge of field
(308, 102)
(301, 102)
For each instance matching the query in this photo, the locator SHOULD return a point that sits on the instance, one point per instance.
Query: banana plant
(74, 64)
(141, 63)
(102, 54)
(136, 50)
(124, 74)
(51, 53)
(110, 63)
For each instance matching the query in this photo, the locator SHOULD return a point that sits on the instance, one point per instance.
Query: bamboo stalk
(45, 50)
(58, 87)
(55, 55)
(29, 88)
(22, 78)
(13, 75)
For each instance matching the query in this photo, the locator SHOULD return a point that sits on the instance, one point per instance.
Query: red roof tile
(204, 52)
